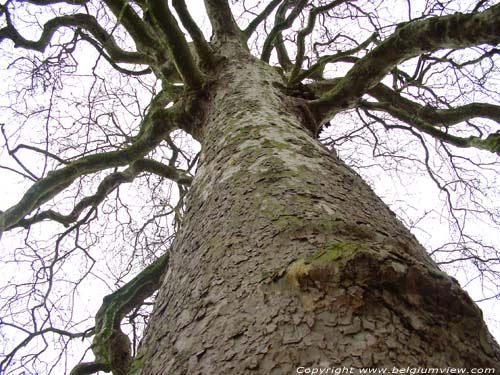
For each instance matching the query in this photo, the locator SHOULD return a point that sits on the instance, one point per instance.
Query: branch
(301, 38)
(177, 45)
(88, 368)
(111, 346)
(487, 54)
(112, 61)
(50, 2)
(166, 171)
(281, 24)
(24, 175)
(12, 153)
(434, 116)
(323, 87)
(32, 335)
(222, 20)
(316, 70)
(38, 150)
(156, 124)
(135, 26)
(252, 26)
(202, 48)
(83, 21)
(108, 185)
(453, 31)
(491, 143)
(282, 54)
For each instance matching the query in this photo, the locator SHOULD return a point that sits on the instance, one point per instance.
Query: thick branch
(222, 20)
(136, 27)
(178, 47)
(316, 70)
(108, 185)
(453, 31)
(301, 38)
(88, 368)
(282, 54)
(201, 46)
(155, 126)
(281, 24)
(83, 21)
(436, 117)
(110, 345)
(252, 26)
(167, 171)
(491, 143)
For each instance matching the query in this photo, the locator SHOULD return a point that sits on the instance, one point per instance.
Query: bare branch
(178, 47)
(222, 20)
(301, 43)
(316, 70)
(434, 116)
(155, 126)
(51, 2)
(112, 59)
(12, 153)
(252, 26)
(491, 143)
(38, 150)
(281, 24)
(203, 49)
(32, 335)
(110, 345)
(453, 31)
(83, 21)
(108, 185)
(136, 27)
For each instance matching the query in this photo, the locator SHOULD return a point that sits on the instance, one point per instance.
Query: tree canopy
(102, 106)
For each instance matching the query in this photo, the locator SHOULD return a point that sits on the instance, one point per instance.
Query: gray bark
(287, 258)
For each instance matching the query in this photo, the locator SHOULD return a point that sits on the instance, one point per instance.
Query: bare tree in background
(266, 250)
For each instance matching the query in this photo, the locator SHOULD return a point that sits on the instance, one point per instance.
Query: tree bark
(287, 258)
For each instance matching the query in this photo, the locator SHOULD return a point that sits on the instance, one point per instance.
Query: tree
(282, 255)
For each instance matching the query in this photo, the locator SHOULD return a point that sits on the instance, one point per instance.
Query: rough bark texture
(287, 258)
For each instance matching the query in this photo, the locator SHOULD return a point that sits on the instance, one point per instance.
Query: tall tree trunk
(287, 258)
